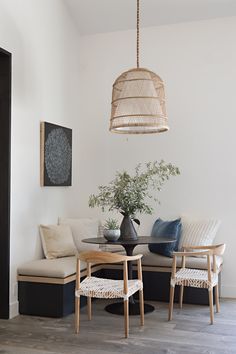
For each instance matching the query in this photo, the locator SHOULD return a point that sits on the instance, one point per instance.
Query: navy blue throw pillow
(168, 229)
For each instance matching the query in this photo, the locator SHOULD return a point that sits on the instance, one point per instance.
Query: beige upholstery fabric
(110, 248)
(153, 259)
(55, 268)
(141, 249)
(66, 266)
(57, 241)
(108, 288)
(82, 228)
(198, 232)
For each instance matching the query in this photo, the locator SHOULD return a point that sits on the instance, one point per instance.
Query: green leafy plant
(111, 224)
(129, 194)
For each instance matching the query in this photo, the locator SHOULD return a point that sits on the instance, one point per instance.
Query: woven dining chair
(94, 287)
(197, 278)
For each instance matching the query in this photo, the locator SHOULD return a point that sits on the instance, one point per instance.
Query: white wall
(62, 78)
(44, 46)
(197, 63)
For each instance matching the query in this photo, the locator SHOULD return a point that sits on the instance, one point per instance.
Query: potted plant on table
(111, 230)
(129, 194)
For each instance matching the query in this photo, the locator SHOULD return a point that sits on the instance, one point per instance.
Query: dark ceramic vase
(127, 230)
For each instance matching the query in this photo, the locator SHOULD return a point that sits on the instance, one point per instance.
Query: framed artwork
(55, 155)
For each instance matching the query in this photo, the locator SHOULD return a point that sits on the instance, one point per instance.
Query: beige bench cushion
(153, 259)
(55, 268)
(66, 266)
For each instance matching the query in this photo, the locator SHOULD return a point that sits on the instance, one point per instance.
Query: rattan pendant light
(138, 100)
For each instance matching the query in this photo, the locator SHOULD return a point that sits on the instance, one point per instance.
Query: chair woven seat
(108, 288)
(196, 278)
(104, 288)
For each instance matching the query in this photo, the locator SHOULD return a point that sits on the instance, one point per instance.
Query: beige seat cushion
(153, 259)
(57, 241)
(55, 268)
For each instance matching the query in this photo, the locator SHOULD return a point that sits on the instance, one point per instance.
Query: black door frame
(5, 179)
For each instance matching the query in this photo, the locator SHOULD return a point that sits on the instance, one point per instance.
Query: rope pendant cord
(137, 33)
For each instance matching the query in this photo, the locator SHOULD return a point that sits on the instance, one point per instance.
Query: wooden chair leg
(141, 307)
(171, 302)
(210, 291)
(77, 313)
(89, 307)
(181, 295)
(217, 300)
(126, 313)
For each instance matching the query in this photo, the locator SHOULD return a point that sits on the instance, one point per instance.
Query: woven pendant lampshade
(138, 100)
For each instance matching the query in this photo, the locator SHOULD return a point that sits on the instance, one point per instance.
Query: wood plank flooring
(188, 333)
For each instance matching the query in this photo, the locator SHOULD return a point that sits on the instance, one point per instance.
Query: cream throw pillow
(57, 241)
(198, 232)
(83, 228)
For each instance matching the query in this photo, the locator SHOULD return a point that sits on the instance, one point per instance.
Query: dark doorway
(5, 146)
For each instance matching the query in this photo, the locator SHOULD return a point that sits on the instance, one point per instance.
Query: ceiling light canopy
(138, 100)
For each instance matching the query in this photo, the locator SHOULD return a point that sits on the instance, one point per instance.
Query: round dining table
(129, 245)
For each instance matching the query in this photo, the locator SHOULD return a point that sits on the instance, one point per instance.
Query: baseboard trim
(14, 309)
(228, 291)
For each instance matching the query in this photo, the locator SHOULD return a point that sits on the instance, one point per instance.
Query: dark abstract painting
(56, 155)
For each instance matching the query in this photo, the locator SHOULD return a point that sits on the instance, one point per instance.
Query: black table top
(142, 240)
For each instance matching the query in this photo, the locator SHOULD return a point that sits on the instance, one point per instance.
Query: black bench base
(47, 300)
(58, 300)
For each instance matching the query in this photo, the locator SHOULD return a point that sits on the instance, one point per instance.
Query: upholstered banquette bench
(46, 286)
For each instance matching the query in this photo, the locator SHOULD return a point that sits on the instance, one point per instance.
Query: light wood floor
(188, 333)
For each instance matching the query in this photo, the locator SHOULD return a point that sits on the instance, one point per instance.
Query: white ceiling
(96, 16)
